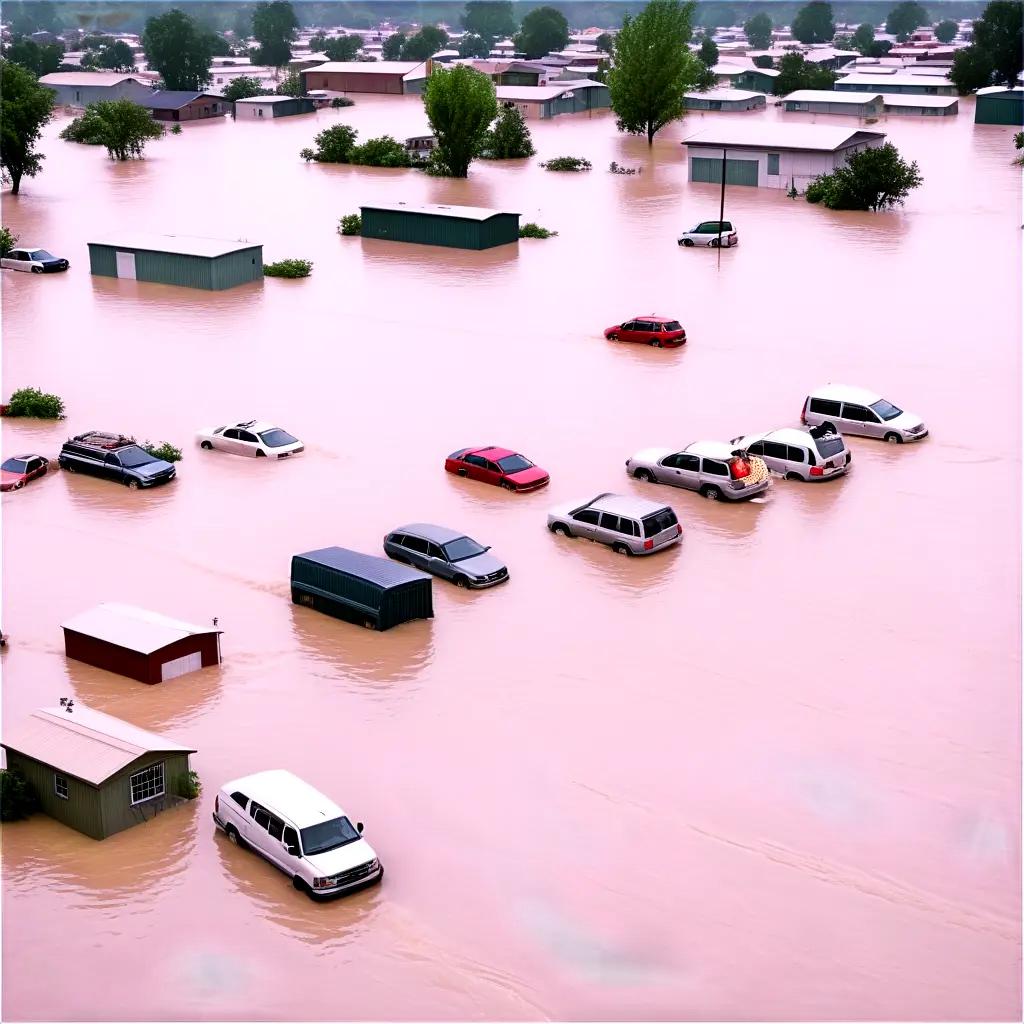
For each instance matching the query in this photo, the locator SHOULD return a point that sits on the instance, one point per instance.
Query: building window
(773, 163)
(148, 783)
(60, 786)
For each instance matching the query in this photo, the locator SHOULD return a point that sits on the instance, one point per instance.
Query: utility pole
(721, 207)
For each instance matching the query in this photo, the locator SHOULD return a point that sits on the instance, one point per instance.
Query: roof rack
(99, 439)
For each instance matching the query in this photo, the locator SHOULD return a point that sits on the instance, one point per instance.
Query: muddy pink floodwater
(773, 773)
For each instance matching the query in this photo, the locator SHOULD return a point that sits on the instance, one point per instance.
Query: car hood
(50, 262)
(905, 421)
(154, 468)
(9, 479)
(652, 454)
(528, 476)
(480, 565)
(333, 862)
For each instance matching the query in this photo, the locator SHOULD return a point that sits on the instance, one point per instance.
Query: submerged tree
(425, 43)
(489, 19)
(460, 105)
(510, 137)
(343, 48)
(874, 179)
(544, 30)
(25, 106)
(758, 31)
(392, 48)
(904, 18)
(123, 128)
(242, 88)
(795, 72)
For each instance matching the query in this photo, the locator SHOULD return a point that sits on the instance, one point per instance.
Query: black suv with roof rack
(114, 457)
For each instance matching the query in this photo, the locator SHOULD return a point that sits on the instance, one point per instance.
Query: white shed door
(181, 666)
(126, 265)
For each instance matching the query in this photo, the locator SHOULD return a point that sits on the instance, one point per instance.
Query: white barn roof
(135, 629)
(88, 78)
(462, 212)
(894, 79)
(724, 94)
(813, 137)
(828, 96)
(370, 67)
(182, 245)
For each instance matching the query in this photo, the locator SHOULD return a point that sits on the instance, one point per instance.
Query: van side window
(588, 516)
(291, 837)
(435, 552)
(475, 460)
(795, 454)
(858, 413)
(715, 468)
(259, 814)
(774, 450)
(275, 827)
(609, 522)
(824, 407)
(630, 527)
(240, 798)
(757, 448)
(417, 544)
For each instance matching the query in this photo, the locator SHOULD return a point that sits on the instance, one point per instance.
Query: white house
(772, 155)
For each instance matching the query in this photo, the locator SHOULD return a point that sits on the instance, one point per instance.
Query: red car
(499, 466)
(659, 331)
(17, 471)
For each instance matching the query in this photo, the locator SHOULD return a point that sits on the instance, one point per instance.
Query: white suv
(856, 411)
(815, 454)
(299, 830)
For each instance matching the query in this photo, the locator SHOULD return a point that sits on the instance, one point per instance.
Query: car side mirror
(359, 827)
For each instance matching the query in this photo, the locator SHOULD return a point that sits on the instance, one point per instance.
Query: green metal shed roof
(434, 210)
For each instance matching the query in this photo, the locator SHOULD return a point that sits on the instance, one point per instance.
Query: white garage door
(126, 264)
(181, 666)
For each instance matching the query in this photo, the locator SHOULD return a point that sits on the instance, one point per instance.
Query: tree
(490, 19)
(241, 25)
(708, 52)
(473, 46)
(813, 23)
(392, 48)
(1000, 35)
(460, 105)
(946, 31)
(797, 73)
(605, 43)
(96, 41)
(874, 179)
(382, 152)
(425, 43)
(972, 69)
(763, 61)
(123, 128)
(758, 31)
(343, 47)
(18, 798)
(25, 106)
(291, 85)
(274, 25)
(863, 37)
(219, 46)
(904, 18)
(510, 137)
(544, 30)
(8, 240)
(653, 68)
(179, 50)
(879, 48)
(117, 56)
(241, 88)
(333, 145)
(317, 42)
(40, 60)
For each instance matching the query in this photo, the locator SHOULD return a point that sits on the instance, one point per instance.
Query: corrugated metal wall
(80, 811)
(116, 793)
(737, 172)
(993, 110)
(186, 271)
(431, 229)
(413, 600)
(236, 268)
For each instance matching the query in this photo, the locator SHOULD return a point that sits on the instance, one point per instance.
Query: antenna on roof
(67, 704)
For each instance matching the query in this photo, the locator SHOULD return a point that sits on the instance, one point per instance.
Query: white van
(839, 407)
(298, 830)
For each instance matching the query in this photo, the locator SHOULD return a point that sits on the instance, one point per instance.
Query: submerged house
(457, 227)
(382, 76)
(93, 772)
(725, 100)
(546, 101)
(921, 106)
(914, 85)
(259, 108)
(825, 101)
(80, 88)
(166, 105)
(998, 104)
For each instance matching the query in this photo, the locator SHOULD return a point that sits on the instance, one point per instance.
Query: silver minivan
(857, 411)
(815, 454)
(629, 526)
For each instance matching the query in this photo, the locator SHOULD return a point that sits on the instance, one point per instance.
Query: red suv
(659, 331)
(498, 466)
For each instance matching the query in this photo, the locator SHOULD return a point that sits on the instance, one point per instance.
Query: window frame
(142, 771)
(58, 780)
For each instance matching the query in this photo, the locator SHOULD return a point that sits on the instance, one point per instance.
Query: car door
(857, 419)
(292, 855)
(492, 473)
(643, 331)
(256, 826)
(248, 443)
(627, 332)
(437, 563)
(797, 459)
(476, 467)
(17, 259)
(229, 441)
(416, 548)
(685, 471)
(35, 468)
(775, 456)
(584, 523)
(275, 842)
(607, 531)
(111, 467)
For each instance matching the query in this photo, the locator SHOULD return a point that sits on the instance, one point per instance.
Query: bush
(350, 224)
(17, 797)
(7, 241)
(874, 179)
(567, 163)
(341, 101)
(176, 129)
(532, 230)
(382, 152)
(188, 785)
(333, 145)
(33, 402)
(288, 268)
(165, 451)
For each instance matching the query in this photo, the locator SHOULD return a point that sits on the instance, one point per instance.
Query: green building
(210, 263)
(93, 772)
(999, 104)
(458, 227)
(756, 80)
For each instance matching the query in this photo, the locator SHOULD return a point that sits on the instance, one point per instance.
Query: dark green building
(458, 227)
(192, 262)
(94, 772)
(1000, 105)
(756, 80)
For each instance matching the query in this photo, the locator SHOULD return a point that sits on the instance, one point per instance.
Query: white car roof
(287, 795)
(790, 435)
(710, 449)
(255, 427)
(846, 393)
(626, 505)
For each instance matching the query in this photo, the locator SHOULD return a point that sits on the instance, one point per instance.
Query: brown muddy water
(772, 773)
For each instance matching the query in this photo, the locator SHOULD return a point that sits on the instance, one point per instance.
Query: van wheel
(37, 270)
(621, 549)
(710, 492)
(713, 244)
(234, 837)
(561, 529)
(793, 476)
(894, 438)
(461, 581)
(646, 475)
(688, 242)
(69, 467)
(207, 446)
(613, 337)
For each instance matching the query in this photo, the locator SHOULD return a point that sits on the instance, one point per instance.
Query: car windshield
(464, 547)
(134, 456)
(328, 835)
(42, 254)
(673, 325)
(659, 521)
(514, 464)
(886, 410)
(276, 438)
(14, 466)
(829, 445)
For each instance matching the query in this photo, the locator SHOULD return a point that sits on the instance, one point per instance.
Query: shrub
(532, 230)
(176, 129)
(307, 154)
(33, 402)
(567, 163)
(333, 145)
(17, 797)
(341, 101)
(165, 451)
(288, 268)
(350, 224)
(382, 152)
(8, 240)
(189, 785)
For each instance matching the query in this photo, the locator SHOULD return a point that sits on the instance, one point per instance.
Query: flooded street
(771, 773)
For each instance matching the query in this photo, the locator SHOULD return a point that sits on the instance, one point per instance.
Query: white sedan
(254, 438)
(35, 261)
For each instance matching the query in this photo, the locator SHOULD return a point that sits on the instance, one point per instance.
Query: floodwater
(772, 773)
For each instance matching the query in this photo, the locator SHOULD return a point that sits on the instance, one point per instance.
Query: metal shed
(93, 772)
(998, 104)
(908, 84)
(80, 88)
(189, 261)
(725, 100)
(458, 227)
(140, 644)
(374, 592)
(826, 101)
(756, 79)
(265, 108)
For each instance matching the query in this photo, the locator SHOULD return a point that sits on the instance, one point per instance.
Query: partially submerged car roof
(625, 505)
(284, 793)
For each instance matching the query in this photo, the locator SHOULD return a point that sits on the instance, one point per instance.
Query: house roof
(433, 209)
(724, 94)
(264, 100)
(371, 67)
(135, 629)
(184, 245)
(166, 99)
(87, 78)
(88, 744)
(897, 79)
(812, 137)
(829, 96)
(906, 100)
(991, 90)
(541, 93)
(382, 571)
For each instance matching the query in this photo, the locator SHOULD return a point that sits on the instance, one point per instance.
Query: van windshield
(328, 835)
(134, 456)
(886, 410)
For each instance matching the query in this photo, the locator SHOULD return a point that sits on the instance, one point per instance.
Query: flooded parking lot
(770, 773)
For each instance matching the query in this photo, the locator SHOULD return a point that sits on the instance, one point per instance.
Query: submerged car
(707, 233)
(20, 469)
(815, 454)
(36, 261)
(252, 438)
(858, 411)
(714, 469)
(445, 553)
(628, 525)
(499, 466)
(114, 457)
(659, 331)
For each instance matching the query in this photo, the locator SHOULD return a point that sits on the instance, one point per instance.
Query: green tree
(489, 19)
(758, 31)
(179, 50)
(473, 46)
(242, 87)
(392, 48)
(18, 799)
(797, 73)
(510, 137)
(382, 152)
(904, 18)
(460, 104)
(40, 60)
(972, 69)
(274, 26)
(25, 106)
(653, 68)
(879, 48)
(544, 30)
(763, 61)
(8, 240)
(123, 128)
(946, 31)
(863, 37)
(219, 46)
(291, 85)
(241, 24)
(333, 145)
(708, 52)
(425, 43)
(317, 42)
(1000, 35)
(96, 41)
(343, 47)
(874, 179)
(605, 43)
(117, 56)
(813, 23)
